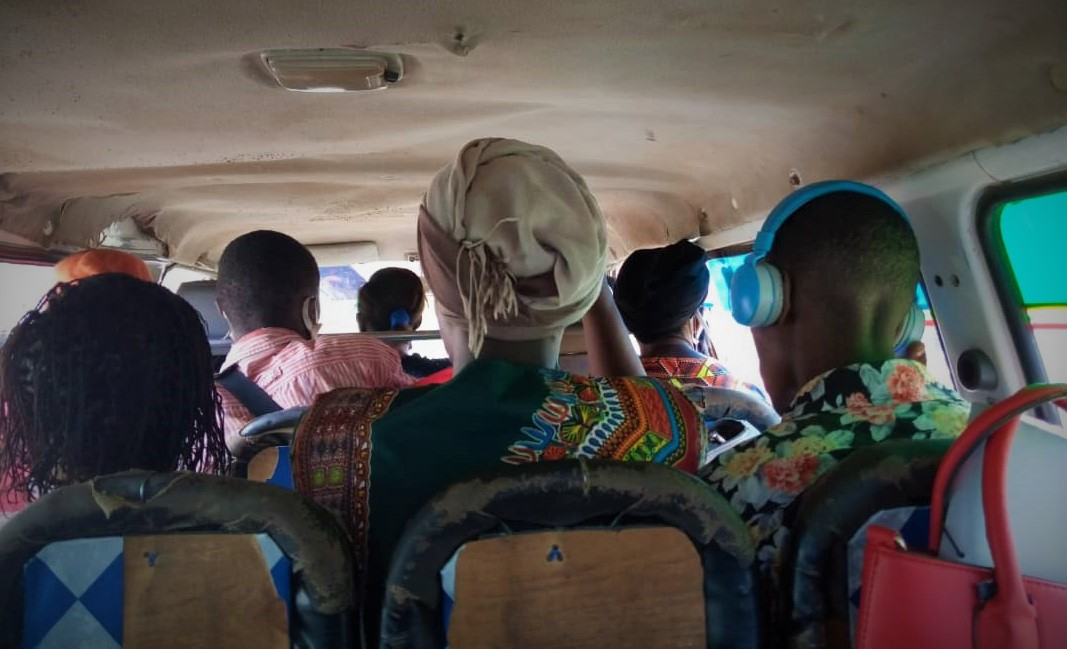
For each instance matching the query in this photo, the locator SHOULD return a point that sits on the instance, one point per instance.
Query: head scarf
(659, 290)
(100, 261)
(512, 242)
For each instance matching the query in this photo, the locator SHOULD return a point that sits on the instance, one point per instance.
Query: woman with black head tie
(660, 294)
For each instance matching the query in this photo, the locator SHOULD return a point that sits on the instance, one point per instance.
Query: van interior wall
(150, 109)
(944, 203)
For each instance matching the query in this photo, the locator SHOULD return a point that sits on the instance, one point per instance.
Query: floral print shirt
(846, 408)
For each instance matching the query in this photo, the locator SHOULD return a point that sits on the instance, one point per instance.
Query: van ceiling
(150, 110)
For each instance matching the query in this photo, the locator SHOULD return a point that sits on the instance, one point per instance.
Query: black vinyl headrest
(201, 295)
(813, 598)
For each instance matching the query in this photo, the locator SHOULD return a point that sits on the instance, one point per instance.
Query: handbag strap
(1006, 572)
(984, 426)
(1006, 618)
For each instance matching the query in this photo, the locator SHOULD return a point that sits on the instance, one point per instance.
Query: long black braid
(108, 373)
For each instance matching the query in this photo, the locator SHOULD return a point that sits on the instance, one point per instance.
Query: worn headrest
(573, 494)
(814, 594)
(201, 295)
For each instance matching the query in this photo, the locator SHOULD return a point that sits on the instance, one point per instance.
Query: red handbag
(915, 599)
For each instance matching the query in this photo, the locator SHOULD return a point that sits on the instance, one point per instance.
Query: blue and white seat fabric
(448, 587)
(913, 525)
(74, 592)
(283, 472)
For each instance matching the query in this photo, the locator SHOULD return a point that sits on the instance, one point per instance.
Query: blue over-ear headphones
(756, 290)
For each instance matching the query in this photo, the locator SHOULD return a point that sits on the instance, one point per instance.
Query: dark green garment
(377, 456)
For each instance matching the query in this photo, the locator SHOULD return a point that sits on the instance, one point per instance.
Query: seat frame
(810, 607)
(564, 495)
(141, 502)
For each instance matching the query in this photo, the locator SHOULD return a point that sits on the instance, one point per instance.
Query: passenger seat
(889, 484)
(574, 553)
(262, 447)
(1037, 485)
(172, 560)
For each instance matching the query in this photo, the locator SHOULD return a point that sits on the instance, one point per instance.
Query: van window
(1032, 232)
(734, 344)
(338, 292)
(22, 287)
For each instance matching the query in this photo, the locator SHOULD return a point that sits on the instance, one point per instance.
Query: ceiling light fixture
(332, 69)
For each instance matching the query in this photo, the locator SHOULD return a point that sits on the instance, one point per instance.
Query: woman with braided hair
(108, 373)
(393, 300)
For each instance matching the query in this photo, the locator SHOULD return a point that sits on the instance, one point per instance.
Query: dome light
(332, 69)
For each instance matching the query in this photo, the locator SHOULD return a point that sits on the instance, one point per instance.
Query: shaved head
(265, 277)
(851, 265)
(849, 250)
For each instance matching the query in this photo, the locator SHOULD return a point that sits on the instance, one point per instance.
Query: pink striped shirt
(294, 370)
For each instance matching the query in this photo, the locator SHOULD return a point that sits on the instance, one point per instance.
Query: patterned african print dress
(697, 371)
(376, 456)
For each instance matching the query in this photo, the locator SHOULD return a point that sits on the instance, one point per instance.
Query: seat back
(1037, 479)
(262, 447)
(174, 559)
(818, 591)
(201, 295)
(574, 553)
(272, 466)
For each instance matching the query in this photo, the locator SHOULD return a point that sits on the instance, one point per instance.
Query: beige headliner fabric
(666, 108)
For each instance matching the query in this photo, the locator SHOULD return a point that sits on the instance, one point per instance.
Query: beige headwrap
(512, 242)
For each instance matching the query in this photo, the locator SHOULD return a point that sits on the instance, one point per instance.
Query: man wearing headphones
(268, 292)
(829, 291)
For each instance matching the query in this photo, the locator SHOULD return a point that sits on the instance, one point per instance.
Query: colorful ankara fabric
(377, 456)
(697, 371)
(294, 370)
(833, 414)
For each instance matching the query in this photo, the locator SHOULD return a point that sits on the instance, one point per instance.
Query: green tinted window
(1034, 233)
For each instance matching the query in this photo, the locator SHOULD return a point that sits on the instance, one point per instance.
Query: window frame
(734, 250)
(1009, 294)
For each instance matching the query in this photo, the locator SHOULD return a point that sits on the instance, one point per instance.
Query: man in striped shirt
(268, 292)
